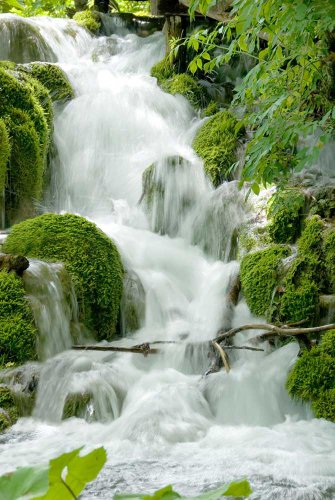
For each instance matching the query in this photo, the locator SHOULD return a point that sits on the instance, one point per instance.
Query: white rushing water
(160, 420)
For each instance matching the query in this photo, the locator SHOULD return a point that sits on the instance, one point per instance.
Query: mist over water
(159, 418)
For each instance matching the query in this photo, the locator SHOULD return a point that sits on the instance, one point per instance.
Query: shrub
(285, 211)
(17, 330)
(89, 256)
(88, 19)
(260, 272)
(216, 143)
(188, 87)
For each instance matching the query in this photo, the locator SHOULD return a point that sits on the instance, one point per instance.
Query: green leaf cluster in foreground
(67, 475)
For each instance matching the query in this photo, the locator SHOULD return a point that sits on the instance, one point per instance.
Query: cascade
(160, 420)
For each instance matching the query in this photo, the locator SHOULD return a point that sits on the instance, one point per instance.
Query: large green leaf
(24, 482)
(69, 473)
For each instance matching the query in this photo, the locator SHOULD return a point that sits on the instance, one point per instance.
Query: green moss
(6, 397)
(285, 211)
(5, 420)
(299, 303)
(324, 405)
(312, 379)
(4, 155)
(8, 410)
(17, 331)
(260, 272)
(313, 372)
(210, 110)
(76, 405)
(216, 143)
(329, 252)
(88, 19)
(328, 343)
(53, 78)
(323, 202)
(310, 242)
(163, 70)
(89, 256)
(188, 87)
(18, 95)
(27, 113)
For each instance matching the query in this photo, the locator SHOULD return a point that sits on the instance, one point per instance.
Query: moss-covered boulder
(88, 19)
(17, 331)
(52, 77)
(163, 70)
(26, 111)
(260, 275)
(285, 212)
(312, 379)
(216, 143)
(89, 256)
(188, 87)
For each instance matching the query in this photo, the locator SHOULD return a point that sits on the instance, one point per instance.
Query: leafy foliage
(90, 257)
(288, 95)
(234, 489)
(65, 477)
(27, 8)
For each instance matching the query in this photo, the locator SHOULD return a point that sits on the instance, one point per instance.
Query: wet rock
(22, 43)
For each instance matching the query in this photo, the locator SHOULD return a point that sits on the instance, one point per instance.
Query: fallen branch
(275, 331)
(144, 349)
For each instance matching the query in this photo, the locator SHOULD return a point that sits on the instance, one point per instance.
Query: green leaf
(193, 67)
(23, 482)
(206, 56)
(166, 493)
(234, 489)
(69, 473)
(255, 188)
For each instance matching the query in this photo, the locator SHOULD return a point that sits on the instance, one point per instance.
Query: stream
(160, 420)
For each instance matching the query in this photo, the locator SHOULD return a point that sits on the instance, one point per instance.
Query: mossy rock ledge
(89, 256)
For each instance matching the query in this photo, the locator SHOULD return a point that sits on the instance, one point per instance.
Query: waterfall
(54, 304)
(161, 420)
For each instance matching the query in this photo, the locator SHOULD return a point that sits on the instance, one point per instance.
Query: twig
(224, 356)
(275, 330)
